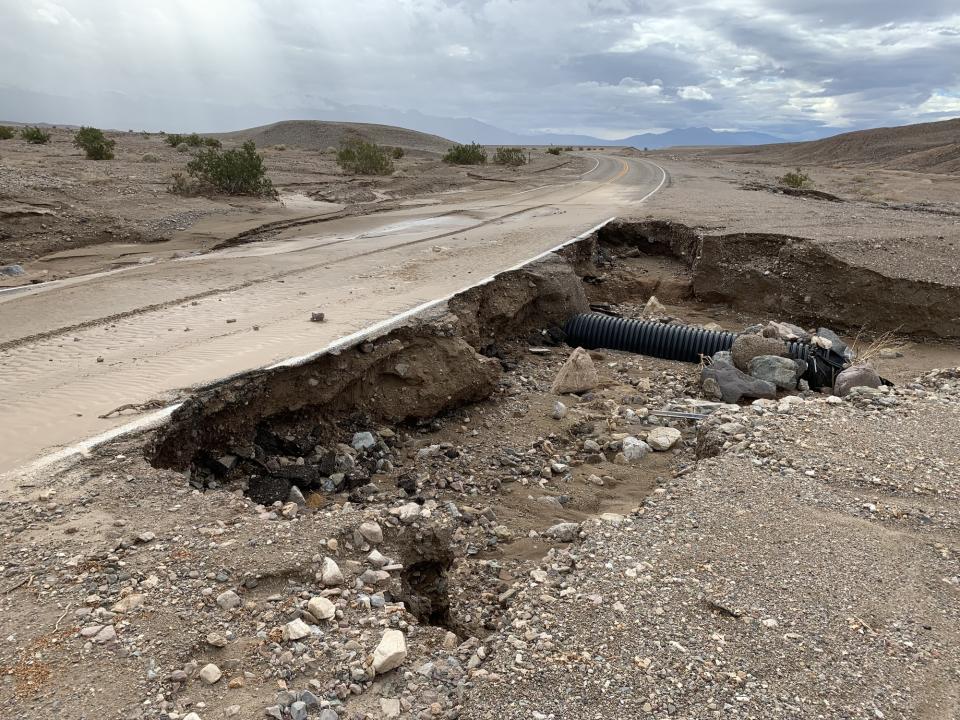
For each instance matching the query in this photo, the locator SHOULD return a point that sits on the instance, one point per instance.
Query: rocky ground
(537, 554)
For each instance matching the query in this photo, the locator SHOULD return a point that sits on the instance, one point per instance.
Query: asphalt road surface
(75, 350)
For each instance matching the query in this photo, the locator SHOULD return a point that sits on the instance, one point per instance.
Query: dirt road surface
(73, 350)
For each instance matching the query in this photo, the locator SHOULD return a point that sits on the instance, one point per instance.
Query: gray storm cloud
(606, 67)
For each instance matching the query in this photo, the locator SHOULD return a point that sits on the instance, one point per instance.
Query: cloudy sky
(794, 68)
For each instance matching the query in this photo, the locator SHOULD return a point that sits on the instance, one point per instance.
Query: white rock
(407, 512)
(210, 674)
(634, 449)
(295, 630)
(321, 608)
(559, 411)
(390, 708)
(363, 440)
(578, 374)
(654, 308)
(377, 559)
(330, 574)
(391, 652)
(663, 438)
(191, 716)
(134, 600)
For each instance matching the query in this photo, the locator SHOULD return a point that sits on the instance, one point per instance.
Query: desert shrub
(509, 156)
(472, 154)
(397, 153)
(192, 140)
(281, 147)
(150, 158)
(180, 184)
(569, 148)
(93, 142)
(553, 150)
(235, 172)
(364, 158)
(182, 147)
(6, 133)
(795, 179)
(35, 136)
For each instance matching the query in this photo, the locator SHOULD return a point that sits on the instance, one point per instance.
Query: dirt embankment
(416, 371)
(796, 278)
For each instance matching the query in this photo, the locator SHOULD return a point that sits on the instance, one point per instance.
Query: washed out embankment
(795, 278)
(417, 371)
(450, 358)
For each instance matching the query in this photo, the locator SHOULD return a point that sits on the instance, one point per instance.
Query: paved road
(73, 351)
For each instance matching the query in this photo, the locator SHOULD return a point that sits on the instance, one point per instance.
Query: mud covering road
(74, 350)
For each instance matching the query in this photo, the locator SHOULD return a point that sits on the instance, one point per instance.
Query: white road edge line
(156, 418)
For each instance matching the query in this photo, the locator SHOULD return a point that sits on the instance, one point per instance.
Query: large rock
(663, 438)
(228, 600)
(782, 372)
(210, 674)
(296, 630)
(634, 449)
(321, 608)
(747, 347)
(577, 375)
(391, 652)
(836, 344)
(722, 381)
(564, 532)
(330, 574)
(855, 376)
(371, 532)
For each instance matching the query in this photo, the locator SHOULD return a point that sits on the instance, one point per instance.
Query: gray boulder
(746, 347)
(855, 376)
(782, 372)
(836, 344)
(564, 532)
(722, 381)
(12, 270)
(723, 356)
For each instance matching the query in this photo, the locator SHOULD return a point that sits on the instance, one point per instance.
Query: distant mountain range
(466, 130)
(120, 111)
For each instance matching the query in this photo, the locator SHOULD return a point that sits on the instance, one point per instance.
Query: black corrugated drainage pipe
(685, 343)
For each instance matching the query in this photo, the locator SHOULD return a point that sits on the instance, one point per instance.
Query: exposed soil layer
(794, 278)
(453, 358)
(416, 371)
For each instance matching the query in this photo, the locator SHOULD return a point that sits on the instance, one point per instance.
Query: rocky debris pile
(759, 365)
(682, 607)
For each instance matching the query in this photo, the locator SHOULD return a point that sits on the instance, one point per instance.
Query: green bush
(364, 158)
(569, 148)
(35, 136)
(397, 153)
(92, 141)
(509, 156)
(553, 150)
(234, 172)
(796, 179)
(472, 154)
(6, 132)
(192, 140)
